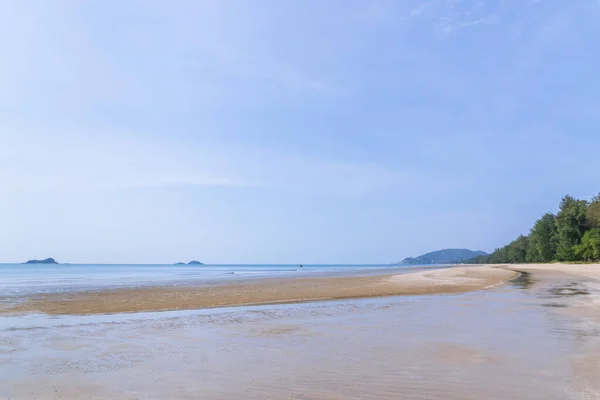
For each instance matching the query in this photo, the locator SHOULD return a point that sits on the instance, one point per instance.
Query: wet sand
(528, 339)
(266, 291)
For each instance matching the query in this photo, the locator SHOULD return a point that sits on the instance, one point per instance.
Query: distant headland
(46, 261)
(193, 262)
(445, 256)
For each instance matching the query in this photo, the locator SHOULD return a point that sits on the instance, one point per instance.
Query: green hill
(445, 256)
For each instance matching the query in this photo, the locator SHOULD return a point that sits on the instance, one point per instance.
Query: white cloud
(449, 26)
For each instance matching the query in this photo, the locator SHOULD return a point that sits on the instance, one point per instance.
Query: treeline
(571, 235)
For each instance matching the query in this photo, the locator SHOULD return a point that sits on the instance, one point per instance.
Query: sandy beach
(266, 291)
(490, 336)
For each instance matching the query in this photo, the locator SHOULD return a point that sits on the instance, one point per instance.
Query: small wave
(262, 272)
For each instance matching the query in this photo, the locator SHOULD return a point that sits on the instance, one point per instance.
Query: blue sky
(290, 131)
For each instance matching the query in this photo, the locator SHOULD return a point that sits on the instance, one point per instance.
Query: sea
(27, 279)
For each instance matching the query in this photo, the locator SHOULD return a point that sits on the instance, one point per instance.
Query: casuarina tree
(542, 240)
(570, 225)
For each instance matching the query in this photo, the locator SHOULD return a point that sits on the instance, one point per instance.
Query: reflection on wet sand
(576, 303)
(496, 344)
(523, 281)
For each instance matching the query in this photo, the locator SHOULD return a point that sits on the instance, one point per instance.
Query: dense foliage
(573, 234)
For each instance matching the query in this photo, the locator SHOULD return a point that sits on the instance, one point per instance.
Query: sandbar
(266, 291)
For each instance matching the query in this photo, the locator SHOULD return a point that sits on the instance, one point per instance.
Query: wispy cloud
(238, 61)
(460, 14)
(449, 25)
(76, 163)
(67, 163)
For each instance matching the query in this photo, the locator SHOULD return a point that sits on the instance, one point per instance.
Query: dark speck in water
(555, 305)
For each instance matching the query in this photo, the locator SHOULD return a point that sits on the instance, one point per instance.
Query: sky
(269, 131)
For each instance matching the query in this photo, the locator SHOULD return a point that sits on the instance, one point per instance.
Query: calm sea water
(22, 279)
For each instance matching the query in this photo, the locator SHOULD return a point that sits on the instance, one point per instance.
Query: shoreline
(455, 280)
(262, 292)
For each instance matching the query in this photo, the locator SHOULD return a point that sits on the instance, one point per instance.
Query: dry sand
(268, 291)
(590, 271)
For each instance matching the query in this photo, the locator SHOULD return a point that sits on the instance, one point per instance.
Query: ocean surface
(27, 279)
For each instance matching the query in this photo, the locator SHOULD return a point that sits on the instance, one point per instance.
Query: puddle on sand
(570, 290)
(562, 294)
(556, 291)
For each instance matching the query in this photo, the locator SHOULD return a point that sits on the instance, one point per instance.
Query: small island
(179, 263)
(46, 261)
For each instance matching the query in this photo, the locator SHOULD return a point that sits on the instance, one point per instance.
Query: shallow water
(497, 344)
(28, 279)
